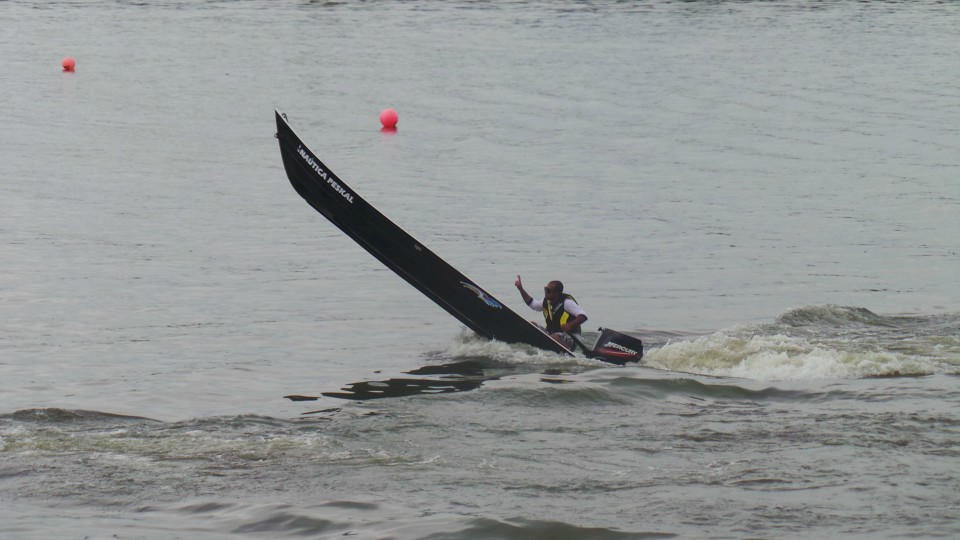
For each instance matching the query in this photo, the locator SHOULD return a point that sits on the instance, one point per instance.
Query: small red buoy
(389, 118)
(69, 64)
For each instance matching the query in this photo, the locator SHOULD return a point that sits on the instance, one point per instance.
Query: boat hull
(477, 309)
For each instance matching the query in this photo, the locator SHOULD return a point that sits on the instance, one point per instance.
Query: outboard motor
(617, 348)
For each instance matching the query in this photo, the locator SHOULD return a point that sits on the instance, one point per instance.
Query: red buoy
(389, 118)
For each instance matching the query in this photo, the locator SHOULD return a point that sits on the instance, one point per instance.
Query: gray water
(768, 193)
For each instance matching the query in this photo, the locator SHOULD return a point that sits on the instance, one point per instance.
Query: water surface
(765, 192)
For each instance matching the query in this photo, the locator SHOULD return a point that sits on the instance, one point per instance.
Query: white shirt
(569, 306)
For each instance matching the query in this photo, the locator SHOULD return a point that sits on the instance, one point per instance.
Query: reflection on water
(435, 379)
(403, 387)
(444, 378)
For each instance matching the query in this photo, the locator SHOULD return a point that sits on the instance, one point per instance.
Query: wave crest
(782, 357)
(833, 315)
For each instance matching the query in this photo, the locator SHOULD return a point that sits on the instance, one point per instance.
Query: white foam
(469, 344)
(781, 357)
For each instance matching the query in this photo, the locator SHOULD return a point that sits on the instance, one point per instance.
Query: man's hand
(574, 325)
(523, 294)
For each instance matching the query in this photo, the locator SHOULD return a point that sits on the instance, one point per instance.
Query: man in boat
(560, 311)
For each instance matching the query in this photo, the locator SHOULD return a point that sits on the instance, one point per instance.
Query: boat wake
(805, 344)
(821, 342)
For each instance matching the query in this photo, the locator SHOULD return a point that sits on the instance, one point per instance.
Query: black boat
(420, 267)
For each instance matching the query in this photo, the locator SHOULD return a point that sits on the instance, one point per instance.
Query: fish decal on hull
(487, 299)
